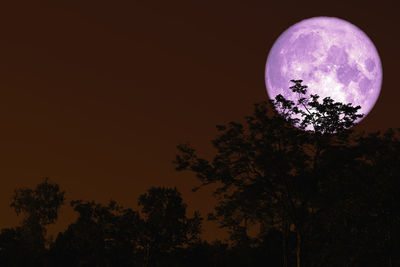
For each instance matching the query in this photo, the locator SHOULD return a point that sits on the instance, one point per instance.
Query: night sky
(97, 94)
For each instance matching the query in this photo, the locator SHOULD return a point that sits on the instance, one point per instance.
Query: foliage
(273, 175)
(318, 195)
(40, 205)
(328, 117)
(25, 245)
(166, 227)
(101, 236)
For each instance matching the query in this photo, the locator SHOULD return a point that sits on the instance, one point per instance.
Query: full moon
(333, 57)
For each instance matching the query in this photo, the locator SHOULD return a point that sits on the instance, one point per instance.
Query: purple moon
(332, 56)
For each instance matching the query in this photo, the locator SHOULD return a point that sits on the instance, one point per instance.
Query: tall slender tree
(39, 208)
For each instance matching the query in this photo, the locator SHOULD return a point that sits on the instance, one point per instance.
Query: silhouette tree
(101, 236)
(381, 168)
(329, 123)
(328, 117)
(40, 206)
(110, 235)
(166, 228)
(268, 169)
(319, 193)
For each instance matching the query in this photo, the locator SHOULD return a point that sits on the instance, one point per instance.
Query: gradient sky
(97, 94)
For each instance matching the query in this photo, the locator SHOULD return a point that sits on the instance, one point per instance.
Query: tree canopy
(295, 186)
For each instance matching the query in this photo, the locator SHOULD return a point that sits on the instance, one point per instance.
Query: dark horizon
(97, 96)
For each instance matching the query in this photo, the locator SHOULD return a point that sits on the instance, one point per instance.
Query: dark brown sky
(97, 94)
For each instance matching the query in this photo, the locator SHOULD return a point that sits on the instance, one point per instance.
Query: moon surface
(333, 58)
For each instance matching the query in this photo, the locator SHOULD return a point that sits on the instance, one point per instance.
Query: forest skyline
(324, 196)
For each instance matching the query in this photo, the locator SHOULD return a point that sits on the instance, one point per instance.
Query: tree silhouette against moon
(332, 56)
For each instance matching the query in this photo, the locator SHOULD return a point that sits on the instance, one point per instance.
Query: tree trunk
(147, 257)
(284, 243)
(298, 250)
(390, 261)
